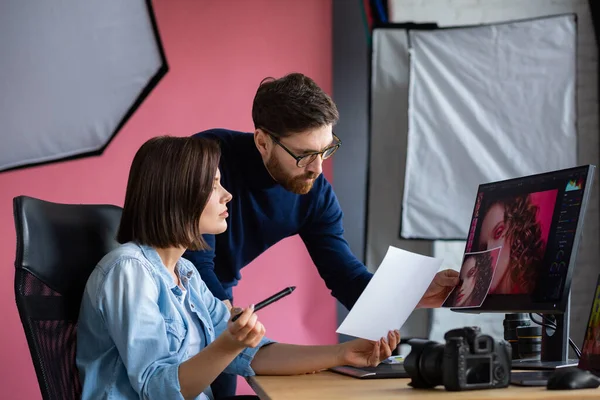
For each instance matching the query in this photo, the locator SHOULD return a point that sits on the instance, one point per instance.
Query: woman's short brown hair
(170, 182)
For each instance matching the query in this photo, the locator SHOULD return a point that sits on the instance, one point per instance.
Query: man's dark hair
(292, 104)
(170, 182)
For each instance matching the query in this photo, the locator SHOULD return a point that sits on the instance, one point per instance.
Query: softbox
(71, 74)
(486, 103)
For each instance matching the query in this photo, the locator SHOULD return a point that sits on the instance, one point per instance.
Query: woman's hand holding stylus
(246, 331)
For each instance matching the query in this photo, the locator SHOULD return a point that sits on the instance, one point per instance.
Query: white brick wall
(468, 12)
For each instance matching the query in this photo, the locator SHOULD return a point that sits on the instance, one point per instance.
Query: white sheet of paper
(391, 295)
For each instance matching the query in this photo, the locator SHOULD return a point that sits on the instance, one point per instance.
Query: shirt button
(192, 306)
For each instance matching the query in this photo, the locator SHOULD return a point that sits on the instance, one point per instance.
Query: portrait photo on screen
(476, 274)
(520, 225)
(590, 353)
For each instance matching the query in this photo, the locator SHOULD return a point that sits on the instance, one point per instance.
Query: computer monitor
(590, 351)
(537, 221)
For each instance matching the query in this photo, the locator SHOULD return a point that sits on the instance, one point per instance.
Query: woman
(475, 275)
(512, 224)
(148, 326)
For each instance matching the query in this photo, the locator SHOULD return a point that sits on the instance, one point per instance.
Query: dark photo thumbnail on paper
(476, 275)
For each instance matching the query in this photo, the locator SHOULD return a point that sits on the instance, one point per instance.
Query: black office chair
(58, 246)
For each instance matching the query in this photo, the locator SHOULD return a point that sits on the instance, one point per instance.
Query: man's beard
(297, 184)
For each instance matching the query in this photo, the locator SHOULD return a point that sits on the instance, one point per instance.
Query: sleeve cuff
(247, 356)
(165, 385)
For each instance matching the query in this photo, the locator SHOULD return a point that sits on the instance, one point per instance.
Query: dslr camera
(468, 360)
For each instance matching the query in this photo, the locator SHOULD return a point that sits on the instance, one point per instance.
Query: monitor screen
(535, 222)
(590, 352)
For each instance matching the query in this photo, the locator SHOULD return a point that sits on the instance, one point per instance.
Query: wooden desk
(332, 386)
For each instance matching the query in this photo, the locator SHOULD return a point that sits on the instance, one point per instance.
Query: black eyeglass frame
(315, 154)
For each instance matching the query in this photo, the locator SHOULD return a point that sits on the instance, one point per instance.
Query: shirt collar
(152, 255)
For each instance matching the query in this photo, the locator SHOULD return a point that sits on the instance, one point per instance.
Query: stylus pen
(269, 300)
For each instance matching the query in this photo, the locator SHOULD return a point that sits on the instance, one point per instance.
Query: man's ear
(262, 142)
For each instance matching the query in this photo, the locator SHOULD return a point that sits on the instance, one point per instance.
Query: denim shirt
(132, 333)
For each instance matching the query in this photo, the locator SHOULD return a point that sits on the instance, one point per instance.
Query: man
(275, 177)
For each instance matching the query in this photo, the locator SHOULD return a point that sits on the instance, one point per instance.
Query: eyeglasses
(306, 159)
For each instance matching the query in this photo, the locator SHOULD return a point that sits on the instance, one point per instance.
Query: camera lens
(530, 341)
(511, 323)
(424, 363)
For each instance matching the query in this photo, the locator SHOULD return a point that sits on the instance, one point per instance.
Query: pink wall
(218, 51)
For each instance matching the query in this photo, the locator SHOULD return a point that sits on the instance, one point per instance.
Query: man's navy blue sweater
(262, 213)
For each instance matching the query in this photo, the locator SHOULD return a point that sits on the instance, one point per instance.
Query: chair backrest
(58, 246)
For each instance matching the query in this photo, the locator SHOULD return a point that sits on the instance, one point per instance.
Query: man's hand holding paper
(405, 280)
(439, 289)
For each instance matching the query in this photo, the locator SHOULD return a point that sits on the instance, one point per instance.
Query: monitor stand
(555, 346)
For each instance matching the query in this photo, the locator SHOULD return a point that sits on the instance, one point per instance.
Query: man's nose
(316, 166)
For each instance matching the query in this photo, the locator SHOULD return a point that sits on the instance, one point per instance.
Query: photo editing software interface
(536, 222)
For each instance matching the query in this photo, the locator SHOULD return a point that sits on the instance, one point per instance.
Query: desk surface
(332, 386)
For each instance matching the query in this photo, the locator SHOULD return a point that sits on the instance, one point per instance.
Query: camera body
(468, 360)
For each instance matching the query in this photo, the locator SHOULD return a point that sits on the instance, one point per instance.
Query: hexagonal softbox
(71, 74)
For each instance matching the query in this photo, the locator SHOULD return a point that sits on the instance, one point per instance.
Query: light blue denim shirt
(132, 333)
